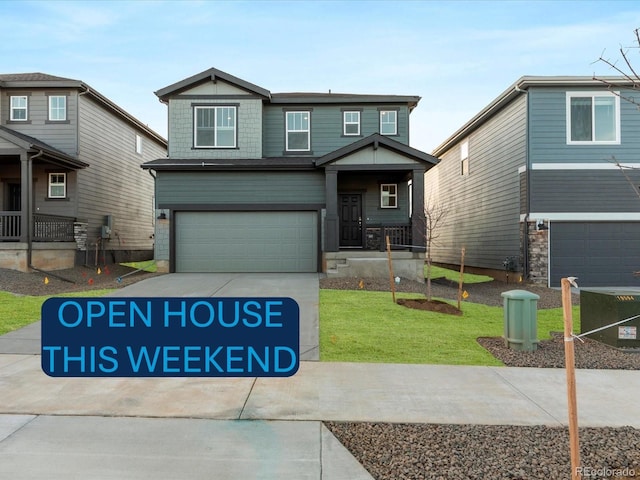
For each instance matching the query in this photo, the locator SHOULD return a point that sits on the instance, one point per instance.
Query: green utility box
(521, 320)
(604, 307)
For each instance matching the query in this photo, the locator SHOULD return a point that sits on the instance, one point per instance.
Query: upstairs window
(18, 109)
(464, 158)
(593, 118)
(215, 127)
(389, 195)
(57, 185)
(388, 122)
(57, 108)
(351, 123)
(298, 132)
(138, 144)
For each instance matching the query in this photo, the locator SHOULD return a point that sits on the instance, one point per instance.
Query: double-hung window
(593, 118)
(298, 136)
(214, 127)
(57, 108)
(389, 195)
(351, 121)
(57, 185)
(388, 122)
(18, 108)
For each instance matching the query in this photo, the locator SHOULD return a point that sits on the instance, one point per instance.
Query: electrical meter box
(604, 307)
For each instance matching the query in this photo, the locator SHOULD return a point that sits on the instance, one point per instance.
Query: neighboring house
(531, 185)
(287, 182)
(71, 189)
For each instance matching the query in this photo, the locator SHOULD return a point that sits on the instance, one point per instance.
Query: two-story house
(533, 184)
(71, 190)
(287, 182)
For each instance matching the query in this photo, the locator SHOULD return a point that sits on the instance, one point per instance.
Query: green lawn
(364, 326)
(19, 311)
(439, 272)
(147, 266)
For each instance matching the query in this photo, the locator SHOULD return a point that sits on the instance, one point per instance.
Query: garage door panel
(246, 241)
(598, 253)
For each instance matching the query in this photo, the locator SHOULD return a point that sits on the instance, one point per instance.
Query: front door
(351, 220)
(15, 197)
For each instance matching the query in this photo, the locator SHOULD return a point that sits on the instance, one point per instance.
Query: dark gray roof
(342, 98)
(270, 163)
(32, 77)
(30, 143)
(378, 140)
(211, 75)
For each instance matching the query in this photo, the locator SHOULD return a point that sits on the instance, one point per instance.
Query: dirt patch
(75, 279)
(430, 306)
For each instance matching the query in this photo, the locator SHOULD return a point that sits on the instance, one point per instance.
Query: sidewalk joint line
(246, 400)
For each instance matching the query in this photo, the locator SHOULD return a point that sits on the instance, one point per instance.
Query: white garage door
(246, 241)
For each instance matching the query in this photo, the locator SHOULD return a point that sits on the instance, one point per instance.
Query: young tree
(434, 215)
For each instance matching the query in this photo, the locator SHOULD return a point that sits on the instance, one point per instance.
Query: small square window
(57, 185)
(18, 109)
(57, 108)
(388, 122)
(389, 195)
(593, 118)
(351, 123)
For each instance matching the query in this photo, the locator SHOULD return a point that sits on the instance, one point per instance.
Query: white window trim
(138, 144)
(215, 128)
(394, 195)
(308, 130)
(345, 123)
(395, 124)
(464, 157)
(51, 184)
(51, 119)
(592, 94)
(13, 109)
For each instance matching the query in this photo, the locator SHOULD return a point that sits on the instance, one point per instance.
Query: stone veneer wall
(538, 253)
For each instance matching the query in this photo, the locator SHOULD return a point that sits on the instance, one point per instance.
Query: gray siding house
(534, 188)
(287, 182)
(71, 190)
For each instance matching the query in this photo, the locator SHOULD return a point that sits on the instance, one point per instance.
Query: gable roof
(376, 140)
(43, 80)
(33, 144)
(519, 87)
(212, 75)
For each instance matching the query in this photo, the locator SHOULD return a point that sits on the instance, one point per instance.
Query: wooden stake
(574, 441)
(461, 281)
(392, 281)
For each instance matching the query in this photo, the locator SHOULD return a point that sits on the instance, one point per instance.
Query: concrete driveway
(302, 287)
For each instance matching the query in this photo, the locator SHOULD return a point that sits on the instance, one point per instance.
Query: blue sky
(456, 55)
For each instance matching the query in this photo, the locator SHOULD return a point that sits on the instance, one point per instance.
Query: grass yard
(365, 326)
(19, 311)
(439, 272)
(147, 266)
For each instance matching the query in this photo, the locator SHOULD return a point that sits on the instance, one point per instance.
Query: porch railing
(46, 228)
(399, 237)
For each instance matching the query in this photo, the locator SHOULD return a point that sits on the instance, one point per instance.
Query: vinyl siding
(368, 185)
(482, 207)
(220, 188)
(326, 126)
(63, 135)
(114, 184)
(548, 127)
(67, 207)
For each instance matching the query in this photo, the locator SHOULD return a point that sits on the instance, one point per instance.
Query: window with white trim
(298, 136)
(57, 185)
(138, 144)
(351, 121)
(464, 158)
(389, 195)
(388, 122)
(593, 118)
(18, 108)
(214, 127)
(57, 108)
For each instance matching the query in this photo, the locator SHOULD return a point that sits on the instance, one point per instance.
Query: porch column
(25, 198)
(417, 216)
(331, 219)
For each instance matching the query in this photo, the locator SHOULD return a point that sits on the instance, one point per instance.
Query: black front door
(351, 220)
(15, 197)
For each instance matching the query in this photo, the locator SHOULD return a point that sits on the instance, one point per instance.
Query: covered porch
(37, 204)
(374, 188)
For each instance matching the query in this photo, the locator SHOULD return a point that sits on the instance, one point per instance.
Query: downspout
(525, 230)
(30, 208)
